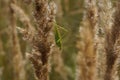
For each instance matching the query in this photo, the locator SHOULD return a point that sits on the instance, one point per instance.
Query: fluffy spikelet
(105, 12)
(44, 16)
(39, 37)
(87, 56)
(112, 47)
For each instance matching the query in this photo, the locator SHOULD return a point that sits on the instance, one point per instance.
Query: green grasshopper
(58, 37)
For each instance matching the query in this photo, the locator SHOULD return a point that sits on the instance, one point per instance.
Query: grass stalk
(18, 65)
(87, 56)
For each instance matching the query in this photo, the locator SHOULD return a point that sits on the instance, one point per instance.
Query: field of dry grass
(59, 39)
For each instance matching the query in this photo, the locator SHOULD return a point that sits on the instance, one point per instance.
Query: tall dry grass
(39, 36)
(105, 21)
(87, 56)
(112, 47)
(44, 14)
(98, 45)
(104, 42)
(17, 58)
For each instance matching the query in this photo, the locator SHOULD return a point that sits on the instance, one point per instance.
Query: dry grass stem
(29, 30)
(104, 21)
(44, 14)
(17, 60)
(112, 47)
(87, 55)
